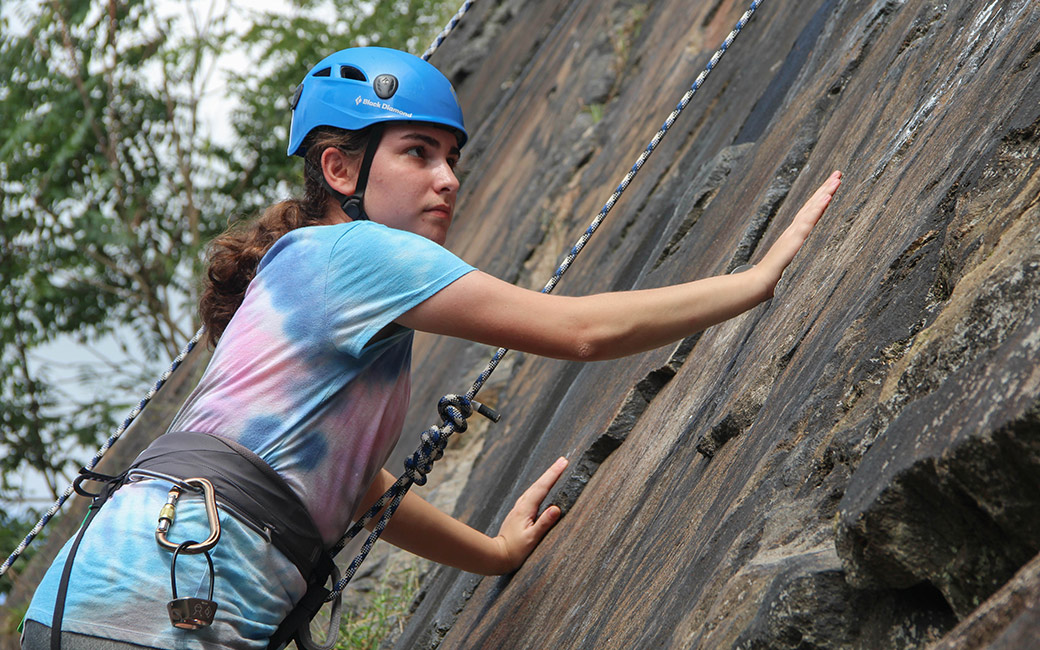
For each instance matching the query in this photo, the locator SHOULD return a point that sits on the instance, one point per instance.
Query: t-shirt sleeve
(375, 274)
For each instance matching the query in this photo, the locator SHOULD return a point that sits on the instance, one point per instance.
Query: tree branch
(77, 78)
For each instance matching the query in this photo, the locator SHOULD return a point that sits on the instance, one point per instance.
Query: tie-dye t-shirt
(297, 378)
(312, 375)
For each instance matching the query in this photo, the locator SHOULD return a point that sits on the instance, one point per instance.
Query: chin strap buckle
(352, 207)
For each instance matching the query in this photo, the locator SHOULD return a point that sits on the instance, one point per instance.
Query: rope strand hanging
(454, 409)
(164, 377)
(134, 412)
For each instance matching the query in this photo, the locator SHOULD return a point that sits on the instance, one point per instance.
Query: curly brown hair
(233, 256)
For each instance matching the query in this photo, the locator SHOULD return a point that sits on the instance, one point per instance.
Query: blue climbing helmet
(369, 87)
(364, 86)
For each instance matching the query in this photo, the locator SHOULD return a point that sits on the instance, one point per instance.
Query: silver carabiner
(169, 511)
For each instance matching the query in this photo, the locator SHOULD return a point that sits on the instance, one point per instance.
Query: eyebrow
(433, 142)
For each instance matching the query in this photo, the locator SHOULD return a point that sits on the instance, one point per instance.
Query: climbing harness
(238, 481)
(314, 564)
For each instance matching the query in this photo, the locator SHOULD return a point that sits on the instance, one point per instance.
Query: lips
(443, 210)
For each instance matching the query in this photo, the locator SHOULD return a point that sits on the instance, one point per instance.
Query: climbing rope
(447, 29)
(455, 409)
(134, 412)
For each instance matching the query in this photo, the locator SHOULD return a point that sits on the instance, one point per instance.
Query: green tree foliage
(102, 199)
(111, 183)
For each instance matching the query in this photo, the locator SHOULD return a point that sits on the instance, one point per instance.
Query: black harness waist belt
(246, 483)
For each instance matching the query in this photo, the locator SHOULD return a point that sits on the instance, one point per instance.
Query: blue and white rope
(454, 409)
(447, 29)
(134, 412)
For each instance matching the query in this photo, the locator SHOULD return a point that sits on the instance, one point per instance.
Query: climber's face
(412, 184)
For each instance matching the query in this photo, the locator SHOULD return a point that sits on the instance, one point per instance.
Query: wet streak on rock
(784, 178)
(778, 87)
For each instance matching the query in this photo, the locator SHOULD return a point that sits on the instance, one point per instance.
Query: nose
(445, 179)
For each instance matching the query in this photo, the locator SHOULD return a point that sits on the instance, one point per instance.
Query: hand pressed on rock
(523, 527)
(782, 252)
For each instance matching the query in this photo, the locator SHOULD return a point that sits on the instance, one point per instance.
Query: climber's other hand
(523, 527)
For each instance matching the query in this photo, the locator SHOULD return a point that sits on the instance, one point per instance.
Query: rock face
(854, 464)
(1009, 619)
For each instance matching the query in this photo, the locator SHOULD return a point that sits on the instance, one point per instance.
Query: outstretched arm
(420, 528)
(482, 308)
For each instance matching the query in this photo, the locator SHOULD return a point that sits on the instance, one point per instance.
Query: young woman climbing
(311, 308)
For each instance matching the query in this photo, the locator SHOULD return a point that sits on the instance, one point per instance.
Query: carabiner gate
(169, 510)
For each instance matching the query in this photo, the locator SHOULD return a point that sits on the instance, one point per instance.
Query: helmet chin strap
(353, 205)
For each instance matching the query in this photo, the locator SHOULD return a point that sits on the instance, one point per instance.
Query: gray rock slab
(813, 473)
(1007, 621)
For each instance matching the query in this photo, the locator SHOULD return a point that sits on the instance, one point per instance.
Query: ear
(340, 170)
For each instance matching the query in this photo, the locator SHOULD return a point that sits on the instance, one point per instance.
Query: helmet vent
(350, 72)
(324, 72)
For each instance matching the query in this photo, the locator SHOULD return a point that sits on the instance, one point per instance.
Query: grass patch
(594, 110)
(623, 32)
(385, 614)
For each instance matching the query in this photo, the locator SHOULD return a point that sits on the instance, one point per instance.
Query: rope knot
(455, 409)
(431, 449)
